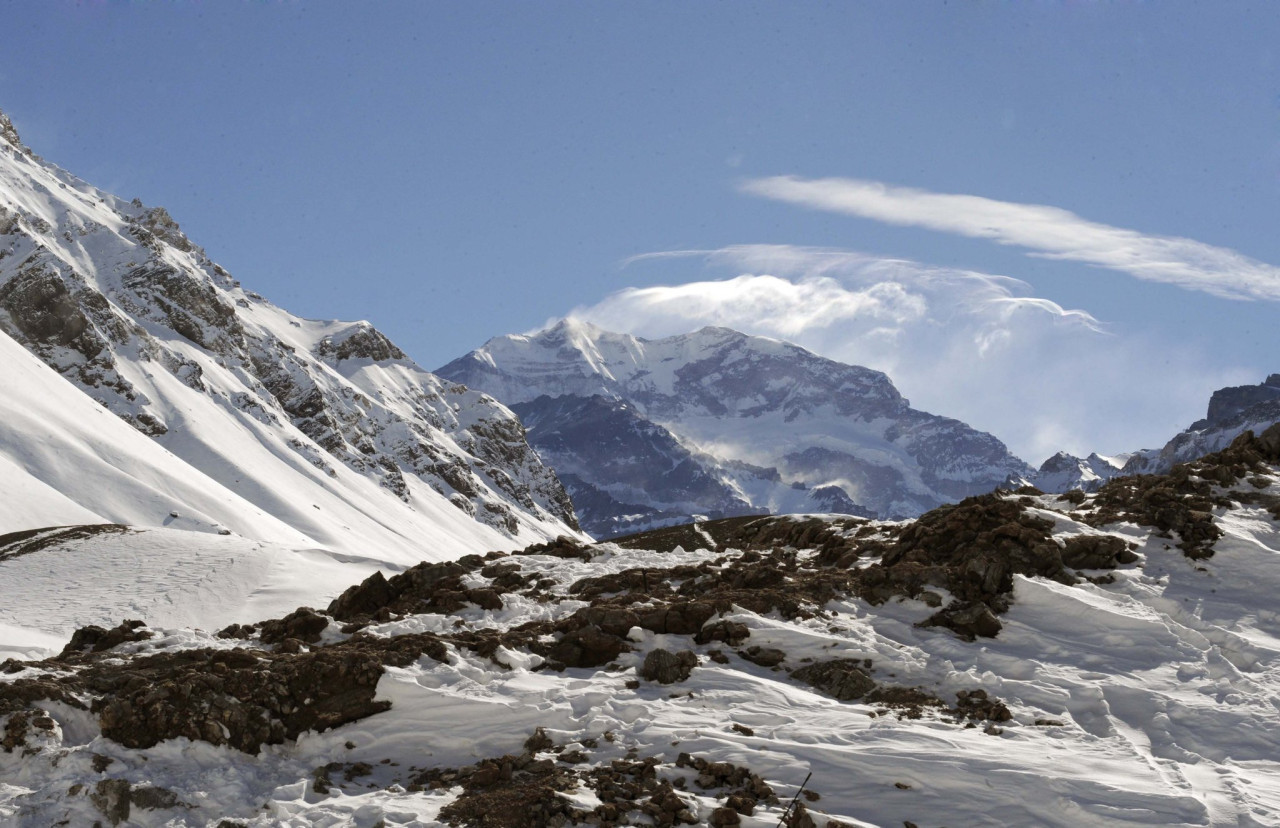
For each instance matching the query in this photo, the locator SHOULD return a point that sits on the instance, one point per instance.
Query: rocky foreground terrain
(1103, 658)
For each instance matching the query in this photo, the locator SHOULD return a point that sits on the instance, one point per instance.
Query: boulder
(666, 667)
(842, 678)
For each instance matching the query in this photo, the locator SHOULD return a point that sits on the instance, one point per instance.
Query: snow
(730, 398)
(168, 578)
(70, 461)
(1155, 697)
(1149, 699)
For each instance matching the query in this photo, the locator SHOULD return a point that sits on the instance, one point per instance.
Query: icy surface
(171, 578)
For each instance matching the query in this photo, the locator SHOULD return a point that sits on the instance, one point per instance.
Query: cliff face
(1232, 411)
(1228, 403)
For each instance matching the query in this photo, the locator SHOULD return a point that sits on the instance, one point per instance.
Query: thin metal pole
(792, 803)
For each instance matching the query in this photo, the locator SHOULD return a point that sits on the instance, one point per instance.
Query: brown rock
(666, 667)
(96, 639)
(969, 620)
(303, 624)
(843, 679)
(365, 598)
(587, 646)
(764, 656)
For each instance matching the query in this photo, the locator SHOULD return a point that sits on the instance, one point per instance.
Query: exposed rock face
(116, 298)
(1227, 403)
(841, 679)
(221, 697)
(1183, 500)
(651, 477)
(237, 697)
(10, 135)
(96, 639)
(717, 423)
(1232, 411)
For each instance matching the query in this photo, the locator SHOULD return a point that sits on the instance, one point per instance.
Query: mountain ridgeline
(1232, 411)
(326, 426)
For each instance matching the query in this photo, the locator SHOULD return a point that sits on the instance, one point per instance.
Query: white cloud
(1048, 231)
(970, 345)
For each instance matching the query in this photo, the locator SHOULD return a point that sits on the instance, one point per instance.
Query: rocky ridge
(1231, 412)
(114, 297)
(1064, 471)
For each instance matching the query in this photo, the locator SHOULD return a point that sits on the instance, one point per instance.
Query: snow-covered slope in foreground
(1011, 660)
(67, 460)
(55, 581)
(325, 427)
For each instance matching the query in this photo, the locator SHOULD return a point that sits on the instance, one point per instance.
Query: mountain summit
(716, 423)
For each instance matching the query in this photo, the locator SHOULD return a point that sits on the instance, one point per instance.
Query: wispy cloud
(1048, 232)
(966, 344)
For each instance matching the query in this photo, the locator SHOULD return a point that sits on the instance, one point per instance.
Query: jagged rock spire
(9, 134)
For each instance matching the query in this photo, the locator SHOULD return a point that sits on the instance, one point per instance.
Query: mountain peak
(9, 134)
(726, 422)
(574, 325)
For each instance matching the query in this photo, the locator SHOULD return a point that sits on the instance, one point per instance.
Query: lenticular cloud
(961, 343)
(1050, 232)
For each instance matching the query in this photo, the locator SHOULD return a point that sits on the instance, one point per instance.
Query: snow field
(1145, 701)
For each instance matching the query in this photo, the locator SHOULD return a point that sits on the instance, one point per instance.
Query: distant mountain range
(325, 433)
(717, 423)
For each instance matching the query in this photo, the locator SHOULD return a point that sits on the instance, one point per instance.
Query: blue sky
(453, 172)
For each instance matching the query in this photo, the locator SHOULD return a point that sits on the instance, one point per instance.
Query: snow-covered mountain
(1232, 411)
(280, 429)
(1064, 471)
(718, 423)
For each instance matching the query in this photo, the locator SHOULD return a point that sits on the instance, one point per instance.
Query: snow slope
(759, 424)
(1140, 695)
(171, 577)
(67, 460)
(310, 433)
